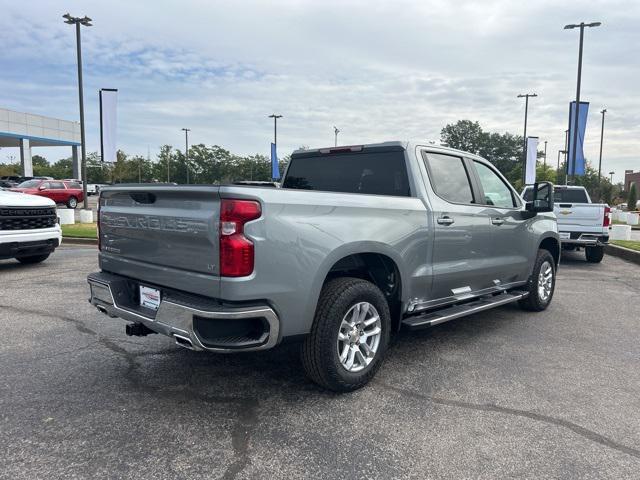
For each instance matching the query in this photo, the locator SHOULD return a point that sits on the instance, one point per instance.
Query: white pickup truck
(580, 222)
(29, 228)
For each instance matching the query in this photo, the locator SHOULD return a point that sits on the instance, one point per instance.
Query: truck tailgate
(588, 216)
(167, 235)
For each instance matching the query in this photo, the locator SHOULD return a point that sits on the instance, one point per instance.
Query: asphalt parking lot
(497, 395)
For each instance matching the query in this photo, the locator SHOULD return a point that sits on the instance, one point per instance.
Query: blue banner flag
(583, 111)
(275, 170)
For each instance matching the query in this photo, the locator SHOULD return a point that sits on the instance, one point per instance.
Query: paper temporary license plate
(565, 235)
(149, 297)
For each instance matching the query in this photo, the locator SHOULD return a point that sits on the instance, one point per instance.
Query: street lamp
(77, 21)
(581, 26)
(186, 150)
(603, 111)
(336, 132)
(275, 127)
(524, 147)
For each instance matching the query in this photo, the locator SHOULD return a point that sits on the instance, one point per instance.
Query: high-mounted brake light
(607, 217)
(353, 148)
(236, 250)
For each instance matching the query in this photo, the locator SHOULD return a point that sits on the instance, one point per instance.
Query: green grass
(80, 230)
(632, 244)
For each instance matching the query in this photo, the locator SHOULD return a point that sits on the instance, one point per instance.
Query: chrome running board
(449, 313)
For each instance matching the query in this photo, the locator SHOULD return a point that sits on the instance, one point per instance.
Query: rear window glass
(374, 173)
(561, 195)
(449, 178)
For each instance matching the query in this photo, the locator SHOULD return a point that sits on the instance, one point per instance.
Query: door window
(56, 185)
(449, 178)
(496, 192)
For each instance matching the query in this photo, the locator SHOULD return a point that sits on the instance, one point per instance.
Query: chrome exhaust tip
(183, 341)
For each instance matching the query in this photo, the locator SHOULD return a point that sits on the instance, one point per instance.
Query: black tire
(594, 254)
(320, 356)
(33, 258)
(534, 302)
(72, 202)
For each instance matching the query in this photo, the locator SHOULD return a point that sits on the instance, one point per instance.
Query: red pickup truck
(67, 193)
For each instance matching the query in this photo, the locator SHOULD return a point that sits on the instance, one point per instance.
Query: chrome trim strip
(176, 321)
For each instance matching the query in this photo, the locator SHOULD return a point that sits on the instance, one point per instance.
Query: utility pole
(524, 147)
(77, 21)
(186, 151)
(336, 132)
(574, 147)
(545, 155)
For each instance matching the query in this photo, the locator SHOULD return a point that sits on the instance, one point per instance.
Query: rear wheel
(72, 202)
(594, 254)
(349, 336)
(541, 284)
(33, 258)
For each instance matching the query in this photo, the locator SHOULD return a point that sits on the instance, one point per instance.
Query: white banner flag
(532, 158)
(108, 124)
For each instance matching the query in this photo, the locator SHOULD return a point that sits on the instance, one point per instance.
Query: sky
(378, 70)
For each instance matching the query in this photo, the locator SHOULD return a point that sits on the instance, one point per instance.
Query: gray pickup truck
(357, 243)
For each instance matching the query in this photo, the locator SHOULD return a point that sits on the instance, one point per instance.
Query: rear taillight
(236, 250)
(606, 221)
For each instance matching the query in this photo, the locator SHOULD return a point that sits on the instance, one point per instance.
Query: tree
(632, 198)
(40, 166)
(503, 150)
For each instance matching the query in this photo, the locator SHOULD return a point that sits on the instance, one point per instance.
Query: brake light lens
(607, 217)
(236, 250)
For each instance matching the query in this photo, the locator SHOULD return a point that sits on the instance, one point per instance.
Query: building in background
(631, 177)
(25, 131)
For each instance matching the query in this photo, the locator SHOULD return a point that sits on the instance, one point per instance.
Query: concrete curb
(79, 241)
(624, 253)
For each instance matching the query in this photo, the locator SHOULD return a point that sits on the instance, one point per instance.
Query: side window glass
(56, 185)
(496, 192)
(449, 177)
(45, 185)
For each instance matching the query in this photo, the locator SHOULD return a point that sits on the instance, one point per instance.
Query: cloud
(377, 70)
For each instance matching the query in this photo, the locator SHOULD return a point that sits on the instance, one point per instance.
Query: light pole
(611, 174)
(582, 26)
(186, 150)
(336, 132)
(77, 21)
(545, 155)
(524, 147)
(275, 127)
(603, 111)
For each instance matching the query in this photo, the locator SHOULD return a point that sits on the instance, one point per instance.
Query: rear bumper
(193, 322)
(585, 239)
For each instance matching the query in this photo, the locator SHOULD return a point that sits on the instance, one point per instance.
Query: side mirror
(42, 187)
(542, 200)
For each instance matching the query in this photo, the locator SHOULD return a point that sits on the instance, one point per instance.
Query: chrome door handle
(497, 221)
(445, 220)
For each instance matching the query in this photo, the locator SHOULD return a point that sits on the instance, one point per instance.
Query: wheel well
(378, 269)
(552, 245)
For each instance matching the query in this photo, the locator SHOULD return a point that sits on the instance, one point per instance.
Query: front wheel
(349, 335)
(594, 254)
(72, 202)
(541, 284)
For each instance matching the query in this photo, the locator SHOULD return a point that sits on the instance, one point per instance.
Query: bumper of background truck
(194, 322)
(584, 239)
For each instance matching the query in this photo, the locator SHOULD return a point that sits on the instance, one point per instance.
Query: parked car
(581, 223)
(61, 192)
(359, 242)
(29, 229)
